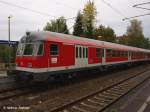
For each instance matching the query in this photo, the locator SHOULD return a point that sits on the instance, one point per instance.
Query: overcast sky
(24, 20)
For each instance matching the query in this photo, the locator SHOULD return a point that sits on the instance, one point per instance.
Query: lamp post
(9, 52)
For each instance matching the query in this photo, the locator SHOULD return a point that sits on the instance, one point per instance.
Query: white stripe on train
(51, 69)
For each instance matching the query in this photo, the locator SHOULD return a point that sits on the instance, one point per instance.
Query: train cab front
(30, 58)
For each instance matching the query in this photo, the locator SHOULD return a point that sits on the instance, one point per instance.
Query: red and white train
(48, 54)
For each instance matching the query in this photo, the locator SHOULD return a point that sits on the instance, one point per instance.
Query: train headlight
(30, 65)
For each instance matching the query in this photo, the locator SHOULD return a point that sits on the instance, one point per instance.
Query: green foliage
(78, 26)
(123, 40)
(4, 54)
(59, 25)
(89, 15)
(105, 34)
(135, 34)
(89, 12)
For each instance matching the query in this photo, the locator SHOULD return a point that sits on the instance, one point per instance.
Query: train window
(113, 53)
(127, 53)
(54, 49)
(86, 52)
(20, 49)
(124, 53)
(103, 52)
(108, 51)
(77, 52)
(28, 49)
(98, 52)
(119, 53)
(83, 52)
(40, 50)
(80, 52)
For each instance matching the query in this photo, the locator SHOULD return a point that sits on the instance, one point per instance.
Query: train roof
(71, 39)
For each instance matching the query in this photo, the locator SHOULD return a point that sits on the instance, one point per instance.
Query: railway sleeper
(106, 96)
(96, 102)
(93, 104)
(101, 99)
(77, 108)
(86, 107)
(115, 92)
(119, 90)
(104, 101)
(110, 93)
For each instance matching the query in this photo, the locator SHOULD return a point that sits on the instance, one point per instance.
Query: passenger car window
(20, 49)
(86, 52)
(54, 49)
(114, 53)
(28, 49)
(103, 51)
(76, 52)
(80, 52)
(98, 52)
(83, 52)
(108, 51)
(40, 50)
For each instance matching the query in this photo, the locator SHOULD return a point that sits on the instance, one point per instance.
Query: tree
(78, 26)
(146, 43)
(123, 39)
(4, 54)
(135, 34)
(59, 25)
(89, 16)
(105, 34)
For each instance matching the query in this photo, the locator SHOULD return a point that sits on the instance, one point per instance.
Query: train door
(129, 55)
(103, 56)
(81, 59)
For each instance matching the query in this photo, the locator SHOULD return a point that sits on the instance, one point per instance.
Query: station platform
(138, 100)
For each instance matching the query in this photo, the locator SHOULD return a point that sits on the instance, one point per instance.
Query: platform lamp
(9, 52)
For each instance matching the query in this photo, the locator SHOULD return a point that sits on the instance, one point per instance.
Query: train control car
(43, 55)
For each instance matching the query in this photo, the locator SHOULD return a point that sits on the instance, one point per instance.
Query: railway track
(14, 93)
(5, 80)
(9, 88)
(100, 100)
(7, 85)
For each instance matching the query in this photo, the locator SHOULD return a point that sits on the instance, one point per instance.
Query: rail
(101, 99)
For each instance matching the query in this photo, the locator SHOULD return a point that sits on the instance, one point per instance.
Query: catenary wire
(31, 10)
(136, 16)
(116, 10)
